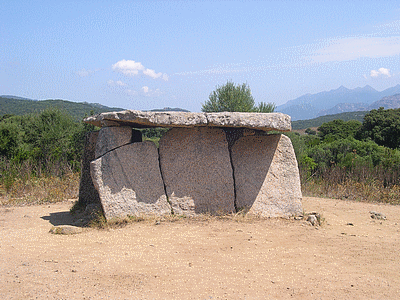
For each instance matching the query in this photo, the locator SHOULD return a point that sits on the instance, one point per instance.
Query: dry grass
(360, 183)
(353, 190)
(38, 190)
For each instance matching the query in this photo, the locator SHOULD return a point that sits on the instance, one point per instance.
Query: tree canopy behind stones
(381, 126)
(235, 98)
(338, 129)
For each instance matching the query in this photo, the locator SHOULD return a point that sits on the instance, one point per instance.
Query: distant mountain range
(16, 97)
(340, 100)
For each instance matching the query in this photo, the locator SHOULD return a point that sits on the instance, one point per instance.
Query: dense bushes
(46, 138)
(40, 154)
(338, 129)
(382, 127)
(345, 160)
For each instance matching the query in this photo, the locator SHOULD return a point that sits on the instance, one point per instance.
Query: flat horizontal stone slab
(143, 119)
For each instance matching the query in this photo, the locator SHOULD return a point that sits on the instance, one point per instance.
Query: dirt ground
(351, 256)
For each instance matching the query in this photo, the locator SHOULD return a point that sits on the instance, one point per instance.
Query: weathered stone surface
(111, 138)
(197, 172)
(135, 118)
(260, 121)
(129, 181)
(267, 179)
(87, 193)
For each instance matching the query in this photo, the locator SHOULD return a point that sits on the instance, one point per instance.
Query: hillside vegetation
(303, 124)
(350, 159)
(40, 155)
(12, 106)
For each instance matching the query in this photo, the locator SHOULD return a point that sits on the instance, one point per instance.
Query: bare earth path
(216, 259)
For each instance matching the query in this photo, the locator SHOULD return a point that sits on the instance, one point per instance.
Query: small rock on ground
(65, 229)
(377, 215)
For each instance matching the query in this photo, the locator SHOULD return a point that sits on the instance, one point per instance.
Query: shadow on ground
(61, 218)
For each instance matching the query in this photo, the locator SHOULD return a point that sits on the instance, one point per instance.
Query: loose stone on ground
(65, 229)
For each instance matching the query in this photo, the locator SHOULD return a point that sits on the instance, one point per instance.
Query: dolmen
(216, 163)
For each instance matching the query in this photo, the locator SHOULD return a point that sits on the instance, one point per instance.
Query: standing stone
(266, 174)
(197, 172)
(129, 181)
(87, 193)
(111, 138)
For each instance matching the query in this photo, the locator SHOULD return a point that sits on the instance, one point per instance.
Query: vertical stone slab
(197, 172)
(129, 181)
(87, 192)
(111, 138)
(266, 174)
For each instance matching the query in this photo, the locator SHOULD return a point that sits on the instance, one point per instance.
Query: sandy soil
(214, 259)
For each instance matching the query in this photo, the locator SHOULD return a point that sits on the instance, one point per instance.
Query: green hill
(316, 122)
(12, 106)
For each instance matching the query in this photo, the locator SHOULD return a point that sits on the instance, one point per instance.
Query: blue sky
(154, 54)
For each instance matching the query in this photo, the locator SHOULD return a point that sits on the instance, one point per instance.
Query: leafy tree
(382, 126)
(234, 98)
(265, 107)
(8, 139)
(50, 137)
(308, 164)
(310, 131)
(350, 152)
(338, 129)
(154, 133)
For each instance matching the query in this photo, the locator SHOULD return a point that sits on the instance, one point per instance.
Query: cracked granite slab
(145, 119)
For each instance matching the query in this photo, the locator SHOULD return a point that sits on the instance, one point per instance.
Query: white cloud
(381, 71)
(131, 92)
(120, 83)
(116, 83)
(345, 49)
(150, 93)
(128, 67)
(132, 68)
(85, 73)
(152, 73)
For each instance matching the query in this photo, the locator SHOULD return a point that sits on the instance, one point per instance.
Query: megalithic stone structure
(213, 163)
